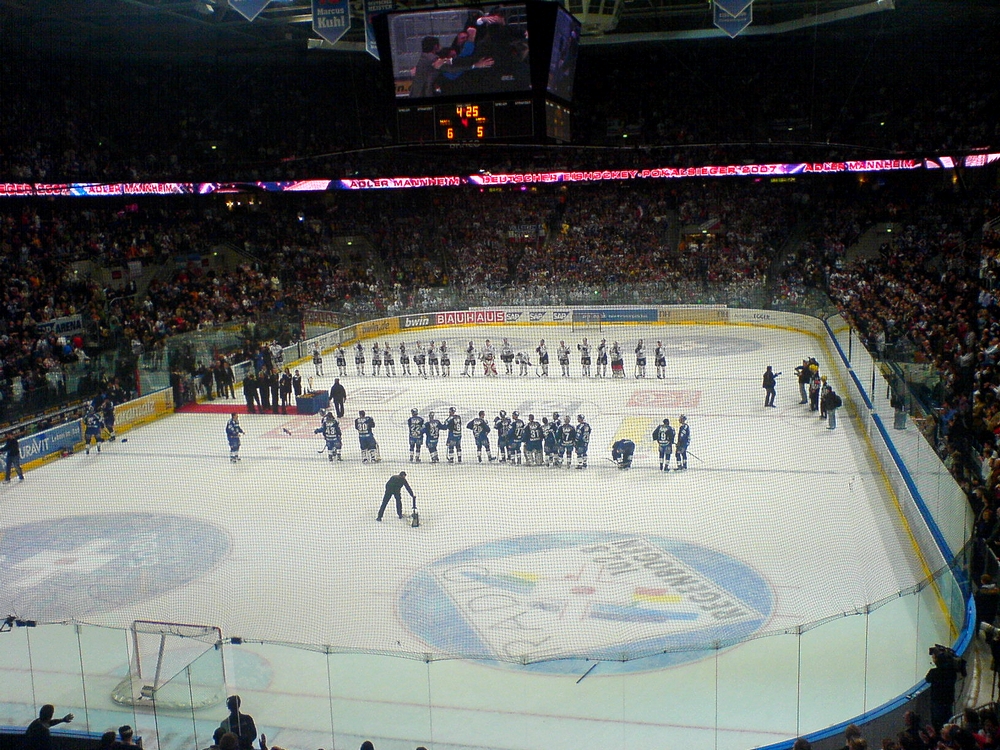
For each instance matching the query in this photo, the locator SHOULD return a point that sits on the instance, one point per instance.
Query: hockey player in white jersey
(584, 350)
(563, 355)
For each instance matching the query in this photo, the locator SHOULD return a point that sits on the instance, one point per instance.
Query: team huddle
(434, 359)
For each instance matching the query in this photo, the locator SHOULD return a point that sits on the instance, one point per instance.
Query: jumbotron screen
(562, 63)
(463, 51)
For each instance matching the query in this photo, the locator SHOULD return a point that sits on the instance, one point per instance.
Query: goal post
(584, 320)
(173, 666)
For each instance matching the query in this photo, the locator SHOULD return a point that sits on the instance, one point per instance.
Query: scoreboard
(462, 122)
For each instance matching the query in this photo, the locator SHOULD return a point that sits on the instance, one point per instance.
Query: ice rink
(778, 523)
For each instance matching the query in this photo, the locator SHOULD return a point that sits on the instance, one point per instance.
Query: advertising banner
(380, 327)
(50, 442)
(622, 315)
(143, 410)
(409, 322)
(66, 326)
(469, 317)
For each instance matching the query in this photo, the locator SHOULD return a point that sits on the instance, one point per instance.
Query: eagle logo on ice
(554, 601)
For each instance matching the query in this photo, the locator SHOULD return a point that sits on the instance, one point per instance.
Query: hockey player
(432, 360)
(660, 358)
(454, 426)
(815, 385)
(549, 440)
(108, 417)
(501, 425)
(233, 432)
(507, 357)
(432, 431)
(341, 358)
(359, 359)
(470, 361)
(602, 358)
(823, 390)
(582, 441)
(621, 453)
(365, 426)
(330, 430)
(445, 360)
(415, 427)
(533, 442)
(489, 358)
(563, 354)
(376, 360)
(567, 440)
(93, 424)
(683, 440)
(404, 359)
(317, 360)
(481, 432)
(515, 438)
(617, 361)
(640, 360)
(543, 357)
(584, 350)
(389, 360)
(419, 359)
(664, 436)
(523, 363)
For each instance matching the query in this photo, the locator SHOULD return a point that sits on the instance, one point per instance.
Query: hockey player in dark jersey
(582, 441)
(470, 361)
(501, 425)
(454, 426)
(432, 359)
(549, 440)
(660, 358)
(664, 437)
(481, 432)
(365, 426)
(602, 358)
(432, 431)
(341, 359)
(420, 360)
(93, 425)
(566, 435)
(621, 453)
(515, 438)
(330, 430)
(376, 360)
(415, 428)
(233, 432)
(683, 440)
(533, 442)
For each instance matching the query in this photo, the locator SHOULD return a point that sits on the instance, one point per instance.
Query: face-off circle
(68, 567)
(556, 602)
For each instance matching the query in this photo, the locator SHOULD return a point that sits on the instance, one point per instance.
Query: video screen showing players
(464, 51)
(565, 48)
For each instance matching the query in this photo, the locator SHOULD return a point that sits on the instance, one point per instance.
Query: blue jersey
(683, 437)
(93, 422)
(479, 427)
(330, 430)
(233, 429)
(664, 434)
(502, 426)
(516, 434)
(454, 425)
(432, 429)
(534, 430)
(582, 436)
(566, 434)
(365, 426)
(415, 425)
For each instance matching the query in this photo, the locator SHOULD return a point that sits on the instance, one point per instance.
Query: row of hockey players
(545, 443)
(434, 360)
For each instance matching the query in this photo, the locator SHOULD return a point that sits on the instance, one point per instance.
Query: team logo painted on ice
(69, 567)
(554, 601)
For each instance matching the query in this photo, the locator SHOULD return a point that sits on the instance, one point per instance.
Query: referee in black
(394, 488)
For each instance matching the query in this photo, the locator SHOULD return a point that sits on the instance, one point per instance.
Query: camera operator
(942, 678)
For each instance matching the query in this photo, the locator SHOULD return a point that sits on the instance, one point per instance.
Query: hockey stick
(694, 456)
(323, 449)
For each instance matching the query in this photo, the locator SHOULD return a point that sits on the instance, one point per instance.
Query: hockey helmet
(580, 418)
(430, 415)
(503, 413)
(515, 414)
(451, 410)
(683, 418)
(413, 412)
(666, 421)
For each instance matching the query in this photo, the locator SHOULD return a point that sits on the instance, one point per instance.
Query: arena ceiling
(179, 28)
